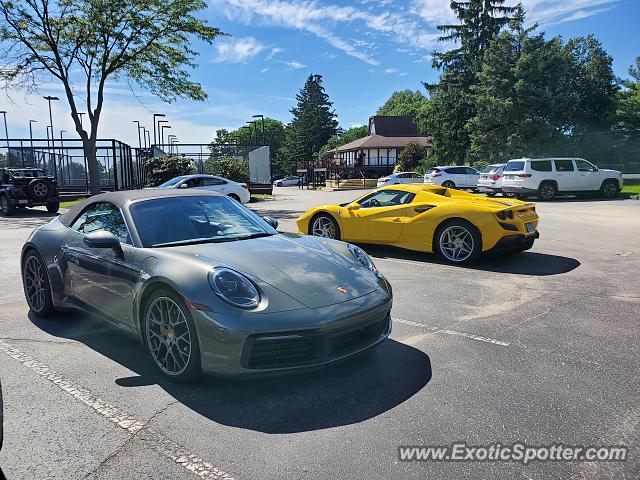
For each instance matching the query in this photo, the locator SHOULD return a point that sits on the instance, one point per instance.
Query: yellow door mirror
(353, 206)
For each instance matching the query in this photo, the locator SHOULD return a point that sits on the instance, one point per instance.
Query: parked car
(27, 187)
(205, 284)
(548, 177)
(287, 181)
(237, 191)
(453, 177)
(490, 181)
(459, 226)
(400, 177)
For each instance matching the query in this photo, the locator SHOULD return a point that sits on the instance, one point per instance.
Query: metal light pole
(137, 122)
(252, 125)
(159, 131)
(162, 127)
(170, 140)
(148, 140)
(155, 138)
(264, 138)
(31, 122)
(6, 131)
(48, 98)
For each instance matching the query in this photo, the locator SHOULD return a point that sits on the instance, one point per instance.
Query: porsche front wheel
(324, 225)
(35, 281)
(458, 242)
(170, 336)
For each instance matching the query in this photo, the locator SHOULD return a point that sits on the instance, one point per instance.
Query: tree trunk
(92, 165)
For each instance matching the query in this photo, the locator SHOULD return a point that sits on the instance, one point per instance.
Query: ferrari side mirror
(353, 206)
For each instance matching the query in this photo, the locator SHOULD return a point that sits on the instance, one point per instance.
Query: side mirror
(101, 239)
(271, 221)
(183, 185)
(353, 206)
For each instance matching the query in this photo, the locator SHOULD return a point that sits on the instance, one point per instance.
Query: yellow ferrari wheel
(325, 226)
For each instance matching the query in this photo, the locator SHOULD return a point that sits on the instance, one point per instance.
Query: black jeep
(27, 187)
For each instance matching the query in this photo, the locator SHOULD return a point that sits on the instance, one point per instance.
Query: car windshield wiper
(196, 241)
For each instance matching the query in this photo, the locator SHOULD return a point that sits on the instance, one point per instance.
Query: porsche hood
(314, 271)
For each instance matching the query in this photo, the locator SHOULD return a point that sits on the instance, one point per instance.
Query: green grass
(70, 203)
(261, 197)
(632, 187)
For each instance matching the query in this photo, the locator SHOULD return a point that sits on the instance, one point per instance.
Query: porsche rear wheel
(35, 281)
(170, 336)
(458, 242)
(324, 225)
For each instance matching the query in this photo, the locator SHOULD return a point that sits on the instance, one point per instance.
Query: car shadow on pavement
(525, 263)
(26, 218)
(344, 393)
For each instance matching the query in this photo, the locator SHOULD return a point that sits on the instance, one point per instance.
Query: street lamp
(170, 140)
(137, 122)
(155, 138)
(48, 98)
(159, 127)
(162, 127)
(264, 138)
(252, 124)
(6, 132)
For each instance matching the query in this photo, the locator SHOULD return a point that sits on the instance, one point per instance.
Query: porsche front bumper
(323, 335)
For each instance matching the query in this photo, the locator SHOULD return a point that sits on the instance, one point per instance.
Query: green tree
(522, 98)
(628, 111)
(411, 156)
(88, 42)
(593, 86)
(407, 102)
(451, 104)
(166, 167)
(233, 168)
(342, 138)
(313, 123)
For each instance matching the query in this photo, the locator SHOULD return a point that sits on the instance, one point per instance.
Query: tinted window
(386, 198)
(456, 171)
(471, 171)
(490, 169)
(102, 216)
(584, 166)
(205, 182)
(195, 219)
(514, 167)
(432, 170)
(564, 165)
(192, 182)
(541, 165)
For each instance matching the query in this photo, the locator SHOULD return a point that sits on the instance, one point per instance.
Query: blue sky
(365, 49)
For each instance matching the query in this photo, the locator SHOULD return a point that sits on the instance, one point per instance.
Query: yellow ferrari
(459, 226)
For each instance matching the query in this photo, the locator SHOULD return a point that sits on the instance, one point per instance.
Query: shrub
(166, 167)
(233, 168)
(412, 155)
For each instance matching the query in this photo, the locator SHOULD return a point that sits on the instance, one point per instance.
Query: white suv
(453, 177)
(547, 177)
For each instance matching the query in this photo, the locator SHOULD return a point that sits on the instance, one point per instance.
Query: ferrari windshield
(183, 220)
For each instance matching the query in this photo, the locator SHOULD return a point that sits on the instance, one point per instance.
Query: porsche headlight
(363, 258)
(234, 288)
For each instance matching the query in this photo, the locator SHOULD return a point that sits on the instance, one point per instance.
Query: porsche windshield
(183, 220)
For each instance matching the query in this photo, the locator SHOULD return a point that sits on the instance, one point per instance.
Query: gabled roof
(393, 126)
(379, 141)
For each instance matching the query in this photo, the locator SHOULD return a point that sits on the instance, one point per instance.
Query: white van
(548, 177)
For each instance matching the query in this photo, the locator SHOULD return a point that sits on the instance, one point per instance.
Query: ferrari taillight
(505, 214)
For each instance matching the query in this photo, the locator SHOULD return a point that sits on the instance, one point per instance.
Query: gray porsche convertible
(205, 284)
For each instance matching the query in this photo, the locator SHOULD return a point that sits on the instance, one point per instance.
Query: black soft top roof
(124, 196)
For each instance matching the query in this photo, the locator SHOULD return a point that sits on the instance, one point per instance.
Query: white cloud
(294, 64)
(264, 70)
(237, 50)
(390, 70)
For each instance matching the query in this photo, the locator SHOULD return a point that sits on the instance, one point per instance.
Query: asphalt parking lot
(538, 348)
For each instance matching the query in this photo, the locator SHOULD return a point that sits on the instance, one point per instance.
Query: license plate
(531, 227)
(23, 202)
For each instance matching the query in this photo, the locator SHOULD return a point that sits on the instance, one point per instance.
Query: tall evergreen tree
(451, 104)
(628, 113)
(313, 123)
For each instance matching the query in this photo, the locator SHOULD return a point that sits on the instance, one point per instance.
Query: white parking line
(122, 419)
(447, 331)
